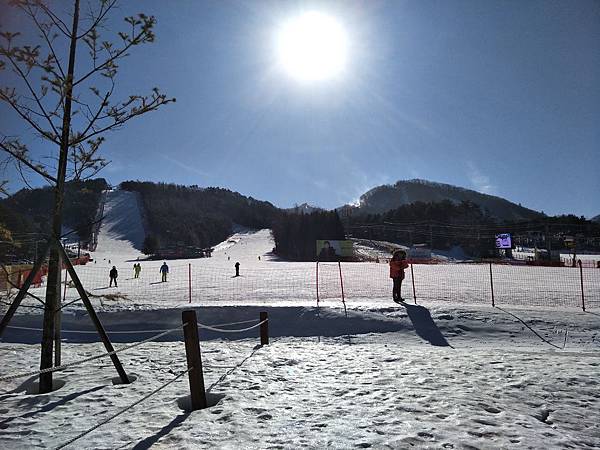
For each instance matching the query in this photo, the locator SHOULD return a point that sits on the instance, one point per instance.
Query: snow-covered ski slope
(121, 233)
(267, 280)
(270, 281)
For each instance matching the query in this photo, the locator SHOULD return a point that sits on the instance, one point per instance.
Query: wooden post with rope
(194, 359)
(264, 328)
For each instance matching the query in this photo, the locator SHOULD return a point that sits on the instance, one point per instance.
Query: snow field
(381, 391)
(294, 284)
(388, 376)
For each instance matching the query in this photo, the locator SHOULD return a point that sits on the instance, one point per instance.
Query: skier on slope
(397, 265)
(237, 269)
(164, 270)
(113, 274)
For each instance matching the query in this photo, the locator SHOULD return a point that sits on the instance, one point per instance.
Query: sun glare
(312, 46)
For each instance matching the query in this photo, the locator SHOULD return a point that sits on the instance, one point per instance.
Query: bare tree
(67, 102)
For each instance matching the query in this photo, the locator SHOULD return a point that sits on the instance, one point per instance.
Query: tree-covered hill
(194, 216)
(25, 216)
(387, 197)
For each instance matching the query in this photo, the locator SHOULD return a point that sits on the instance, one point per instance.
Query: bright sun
(312, 46)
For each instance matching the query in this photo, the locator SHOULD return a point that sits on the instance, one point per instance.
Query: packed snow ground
(467, 378)
(437, 375)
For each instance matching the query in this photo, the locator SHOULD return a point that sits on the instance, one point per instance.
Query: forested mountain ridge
(25, 217)
(29, 210)
(194, 216)
(404, 192)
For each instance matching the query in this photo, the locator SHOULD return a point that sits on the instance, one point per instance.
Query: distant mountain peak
(391, 196)
(304, 208)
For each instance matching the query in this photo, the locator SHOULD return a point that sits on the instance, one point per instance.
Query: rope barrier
(89, 331)
(232, 323)
(91, 358)
(207, 327)
(210, 327)
(108, 419)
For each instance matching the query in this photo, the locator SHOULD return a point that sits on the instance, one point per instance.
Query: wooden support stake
(492, 286)
(92, 313)
(194, 359)
(581, 279)
(412, 276)
(264, 328)
(58, 323)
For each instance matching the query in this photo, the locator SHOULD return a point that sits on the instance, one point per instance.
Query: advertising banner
(328, 250)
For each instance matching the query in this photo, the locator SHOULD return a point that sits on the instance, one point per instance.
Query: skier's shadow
(424, 325)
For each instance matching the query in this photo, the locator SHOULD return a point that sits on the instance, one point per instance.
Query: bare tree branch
(41, 27)
(8, 55)
(54, 18)
(12, 148)
(16, 106)
(145, 35)
(101, 14)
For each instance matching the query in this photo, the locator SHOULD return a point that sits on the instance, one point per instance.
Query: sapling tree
(61, 84)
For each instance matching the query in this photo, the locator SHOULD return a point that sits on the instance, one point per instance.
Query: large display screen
(503, 240)
(333, 250)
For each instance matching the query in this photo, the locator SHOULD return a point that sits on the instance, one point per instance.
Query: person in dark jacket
(397, 265)
(327, 252)
(237, 269)
(164, 270)
(113, 274)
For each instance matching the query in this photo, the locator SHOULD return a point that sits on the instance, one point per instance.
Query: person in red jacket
(397, 265)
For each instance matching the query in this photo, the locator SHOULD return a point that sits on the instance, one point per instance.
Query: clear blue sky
(499, 96)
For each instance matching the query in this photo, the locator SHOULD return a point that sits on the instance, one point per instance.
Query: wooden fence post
(194, 359)
(492, 286)
(264, 328)
(581, 280)
(412, 276)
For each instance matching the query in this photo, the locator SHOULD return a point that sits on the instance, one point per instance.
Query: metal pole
(342, 285)
(317, 284)
(412, 275)
(492, 285)
(190, 281)
(581, 279)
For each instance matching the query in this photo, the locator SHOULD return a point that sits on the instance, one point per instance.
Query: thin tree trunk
(54, 269)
